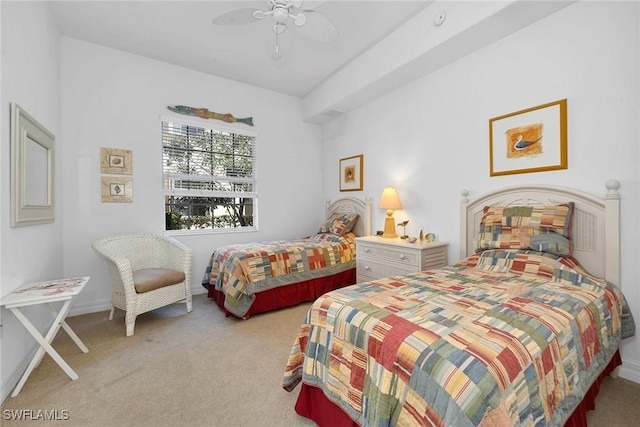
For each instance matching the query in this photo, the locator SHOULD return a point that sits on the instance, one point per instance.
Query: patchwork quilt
(241, 271)
(505, 338)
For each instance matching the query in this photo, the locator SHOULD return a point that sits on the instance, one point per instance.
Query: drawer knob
(402, 256)
(367, 250)
(366, 267)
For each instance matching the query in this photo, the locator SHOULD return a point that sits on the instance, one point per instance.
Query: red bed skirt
(313, 404)
(289, 295)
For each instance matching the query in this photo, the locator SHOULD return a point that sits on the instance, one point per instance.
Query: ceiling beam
(421, 46)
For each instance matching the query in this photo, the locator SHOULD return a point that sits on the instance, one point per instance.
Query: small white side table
(46, 293)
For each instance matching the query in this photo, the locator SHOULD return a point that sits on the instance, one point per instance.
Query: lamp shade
(390, 199)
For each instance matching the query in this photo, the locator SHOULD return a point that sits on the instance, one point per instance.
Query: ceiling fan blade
(278, 40)
(318, 27)
(309, 4)
(237, 17)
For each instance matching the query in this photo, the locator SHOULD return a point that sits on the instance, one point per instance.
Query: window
(209, 177)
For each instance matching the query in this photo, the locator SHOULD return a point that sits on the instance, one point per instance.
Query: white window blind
(209, 172)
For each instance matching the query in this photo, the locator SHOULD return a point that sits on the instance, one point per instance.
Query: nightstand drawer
(388, 254)
(378, 257)
(373, 270)
(434, 258)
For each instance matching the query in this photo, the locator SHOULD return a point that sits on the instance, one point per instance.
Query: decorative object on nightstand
(389, 201)
(378, 257)
(403, 224)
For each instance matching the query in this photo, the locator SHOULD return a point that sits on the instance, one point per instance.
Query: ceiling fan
(285, 14)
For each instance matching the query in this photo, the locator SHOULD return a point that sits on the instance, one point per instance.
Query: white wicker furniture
(379, 257)
(48, 292)
(129, 253)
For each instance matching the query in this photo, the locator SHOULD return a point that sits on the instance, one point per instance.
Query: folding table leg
(69, 331)
(45, 344)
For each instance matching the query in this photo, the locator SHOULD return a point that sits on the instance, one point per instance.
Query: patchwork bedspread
(241, 271)
(505, 338)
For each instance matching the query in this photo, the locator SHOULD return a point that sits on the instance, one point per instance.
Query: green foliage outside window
(209, 178)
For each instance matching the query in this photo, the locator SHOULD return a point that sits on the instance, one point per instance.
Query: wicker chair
(147, 271)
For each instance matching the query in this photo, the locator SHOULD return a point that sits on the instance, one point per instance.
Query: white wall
(430, 138)
(114, 99)
(30, 78)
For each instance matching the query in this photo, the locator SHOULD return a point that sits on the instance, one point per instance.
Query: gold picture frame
(351, 173)
(531, 140)
(116, 189)
(116, 161)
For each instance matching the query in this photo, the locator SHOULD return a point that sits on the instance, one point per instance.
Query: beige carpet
(198, 369)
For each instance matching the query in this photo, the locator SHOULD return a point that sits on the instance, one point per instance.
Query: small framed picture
(351, 174)
(117, 189)
(116, 161)
(531, 140)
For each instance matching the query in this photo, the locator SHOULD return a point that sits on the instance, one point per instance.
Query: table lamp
(389, 201)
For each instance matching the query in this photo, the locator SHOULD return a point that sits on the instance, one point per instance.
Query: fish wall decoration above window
(206, 114)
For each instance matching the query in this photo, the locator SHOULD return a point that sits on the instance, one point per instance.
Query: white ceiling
(182, 33)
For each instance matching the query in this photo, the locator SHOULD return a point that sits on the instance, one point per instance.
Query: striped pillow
(540, 228)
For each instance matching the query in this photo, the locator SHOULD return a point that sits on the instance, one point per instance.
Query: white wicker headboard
(353, 205)
(595, 230)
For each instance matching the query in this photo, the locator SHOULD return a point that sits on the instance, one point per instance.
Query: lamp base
(389, 228)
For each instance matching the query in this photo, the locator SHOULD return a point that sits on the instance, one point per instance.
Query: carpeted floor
(197, 369)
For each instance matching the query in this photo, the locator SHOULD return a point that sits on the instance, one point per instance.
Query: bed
(251, 278)
(516, 333)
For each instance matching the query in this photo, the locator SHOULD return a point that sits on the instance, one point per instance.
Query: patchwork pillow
(541, 228)
(534, 265)
(339, 223)
(329, 237)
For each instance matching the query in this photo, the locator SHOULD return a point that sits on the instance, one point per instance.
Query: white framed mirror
(32, 190)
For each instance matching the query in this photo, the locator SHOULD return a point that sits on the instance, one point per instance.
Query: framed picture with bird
(530, 140)
(351, 173)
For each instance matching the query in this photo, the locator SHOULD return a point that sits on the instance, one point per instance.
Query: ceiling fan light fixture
(309, 22)
(280, 15)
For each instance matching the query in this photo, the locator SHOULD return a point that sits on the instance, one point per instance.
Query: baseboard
(90, 307)
(630, 371)
(11, 380)
(105, 305)
(198, 290)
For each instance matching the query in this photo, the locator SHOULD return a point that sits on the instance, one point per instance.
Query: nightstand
(378, 257)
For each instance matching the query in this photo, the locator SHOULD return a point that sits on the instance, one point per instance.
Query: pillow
(541, 228)
(533, 265)
(339, 223)
(329, 237)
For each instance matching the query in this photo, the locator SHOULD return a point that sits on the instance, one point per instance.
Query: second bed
(251, 278)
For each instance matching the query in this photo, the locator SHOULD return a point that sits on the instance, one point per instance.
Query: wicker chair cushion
(148, 279)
